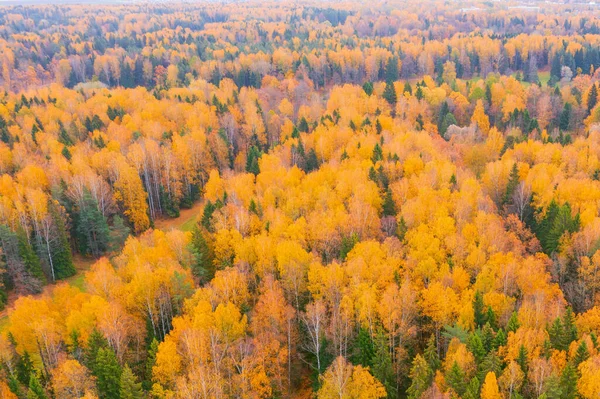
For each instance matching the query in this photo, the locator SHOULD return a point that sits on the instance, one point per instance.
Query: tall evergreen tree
(36, 390)
(522, 360)
(150, 361)
(420, 377)
(25, 368)
(472, 391)
(93, 234)
(365, 348)
(479, 310)
(389, 206)
(29, 257)
(382, 367)
(491, 363)
(582, 354)
(129, 388)
(95, 342)
(513, 182)
(389, 93)
(203, 267)
(513, 323)
(592, 98)
(455, 378)
(431, 354)
(108, 374)
(568, 382)
(391, 70)
(565, 117)
(377, 153)
(368, 88)
(60, 254)
(118, 233)
(252, 158)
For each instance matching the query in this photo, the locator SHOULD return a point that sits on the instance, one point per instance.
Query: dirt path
(186, 221)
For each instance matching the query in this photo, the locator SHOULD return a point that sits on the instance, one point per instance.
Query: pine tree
(36, 390)
(513, 182)
(389, 93)
(556, 222)
(368, 88)
(312, 162)
(569, 328)
(565, 117)
(377, 153)
(431, 354)
(582, 354)
(150, 361)
(592, 99)
(475, 345)
(488, 335)
(63, 136)
(29, 257)
(61, 254)
(555, 70)
(478, 310)
(366, 348)
(420, 377)
(252, 158)
(391, 70)
(34, 131)
(472, 391)
(118, 233)
(24, 368)
(382, 367)
(93, 234)
(130, 389)
(66, 153)
(455, 378)
(96, 341)
(419, 93)
(303, 125)
(568, 382)
(419, 123)
(389, 206)
(522, 359)
(448, 121)
(444, 110)
(492, 363)
(15, 386)
(203, 267)
(108, 374)
(500, 339)
(488, 94)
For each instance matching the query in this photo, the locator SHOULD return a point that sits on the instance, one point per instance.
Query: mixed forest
(398, 199)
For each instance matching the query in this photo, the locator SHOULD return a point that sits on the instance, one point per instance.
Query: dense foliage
(398, 199)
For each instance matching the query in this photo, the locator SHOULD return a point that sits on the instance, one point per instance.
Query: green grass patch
(78, 281)
(544, 77)
(189, 224)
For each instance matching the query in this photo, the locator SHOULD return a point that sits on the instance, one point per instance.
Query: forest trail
(185, 222)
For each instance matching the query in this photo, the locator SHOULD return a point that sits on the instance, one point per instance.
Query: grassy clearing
(186, 220)
(544, 77)
(189, 224)
(78, 281)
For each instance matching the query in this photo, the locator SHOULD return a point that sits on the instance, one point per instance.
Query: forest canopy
(281, 199)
